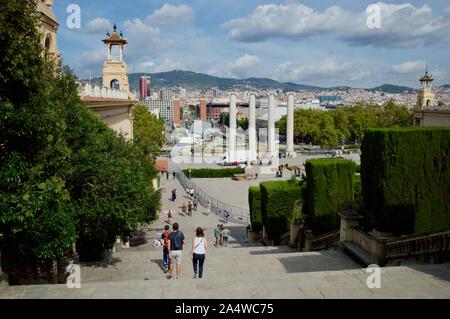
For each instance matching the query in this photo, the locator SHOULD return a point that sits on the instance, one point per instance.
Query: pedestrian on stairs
(165, 243)
(190, 209)
(217, 236)
(199, 246)
(176, 242)
(225, 234)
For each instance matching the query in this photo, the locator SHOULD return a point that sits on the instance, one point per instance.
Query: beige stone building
(48, 28)
(426, 112)
(115, 70)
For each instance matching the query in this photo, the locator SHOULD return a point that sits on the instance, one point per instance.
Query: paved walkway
(239, 271)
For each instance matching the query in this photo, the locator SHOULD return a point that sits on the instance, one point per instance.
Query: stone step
(149, 267)
(357, 253)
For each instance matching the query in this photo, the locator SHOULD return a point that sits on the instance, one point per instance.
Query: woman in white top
(199, 246)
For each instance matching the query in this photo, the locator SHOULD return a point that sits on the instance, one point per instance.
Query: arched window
(47, 45)
(428, 102)
(115, 84)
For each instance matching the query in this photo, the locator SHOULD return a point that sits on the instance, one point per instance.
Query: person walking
(221, 235)
(176, 242)
(199, 246)
(217, 235)
(209, 209)
(192, 192)
(174, 195)
(174, 175)
(184, 209)
(167, 174)
(225, 234)
(195, 203)
(190, 208)
(165, 243)
(226, 216)
(169, 216)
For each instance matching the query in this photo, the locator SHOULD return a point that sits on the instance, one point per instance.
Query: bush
(329, 190)
(405, 176)
(254, 202)
(213, 173)
(277, 203)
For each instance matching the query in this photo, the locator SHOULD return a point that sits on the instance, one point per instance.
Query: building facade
(48, 29)
(426, 112)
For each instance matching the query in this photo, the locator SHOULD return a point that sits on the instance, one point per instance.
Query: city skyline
(329, 45)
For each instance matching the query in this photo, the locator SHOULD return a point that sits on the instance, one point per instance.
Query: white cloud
(90, 63)
(144, 39)
(409, 67)
(402, 26)
(321, 69)
(98, 25)
(169, 15)
(165, 66)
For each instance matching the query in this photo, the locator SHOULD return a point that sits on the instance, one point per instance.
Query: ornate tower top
(115, 38)
(426, 79)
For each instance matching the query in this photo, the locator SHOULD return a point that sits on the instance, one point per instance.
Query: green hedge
(406, 179)
(329, 190)
(214, 173)
(254, 202)
(277, 202)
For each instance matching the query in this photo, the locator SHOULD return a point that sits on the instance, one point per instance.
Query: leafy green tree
(148, 131)
(65, 177)
(36, 214)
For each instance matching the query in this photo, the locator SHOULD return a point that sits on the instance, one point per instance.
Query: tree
(148, 131)
(65, 177)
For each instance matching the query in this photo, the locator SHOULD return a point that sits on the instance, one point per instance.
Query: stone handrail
(326, 240)
(92, 90)
(416, 245)
(218, 207)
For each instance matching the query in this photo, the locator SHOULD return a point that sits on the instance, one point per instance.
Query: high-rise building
(145, 88)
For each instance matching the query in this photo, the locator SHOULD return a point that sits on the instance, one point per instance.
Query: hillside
(394, 89)
(199, 81)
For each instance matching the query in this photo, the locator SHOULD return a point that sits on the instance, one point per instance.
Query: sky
(323, 43)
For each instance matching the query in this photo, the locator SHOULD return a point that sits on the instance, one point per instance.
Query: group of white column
(252, 143)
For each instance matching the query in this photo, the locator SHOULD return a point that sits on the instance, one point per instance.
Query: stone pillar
(232, 128)
(349, 220)
(252, 145)
(290, 126)
(308, 240)
(271, 126)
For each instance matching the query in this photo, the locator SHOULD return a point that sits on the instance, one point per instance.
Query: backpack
(175, 241)
(166, 239)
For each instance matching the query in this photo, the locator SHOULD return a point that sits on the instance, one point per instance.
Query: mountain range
(199, 81)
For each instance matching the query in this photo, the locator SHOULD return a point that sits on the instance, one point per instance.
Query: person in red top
(165, 242)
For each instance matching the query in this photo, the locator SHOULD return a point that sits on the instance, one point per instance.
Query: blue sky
(325, 43)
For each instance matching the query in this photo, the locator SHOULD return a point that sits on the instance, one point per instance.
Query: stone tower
(48, 27)
(115, 70)
(425, 96)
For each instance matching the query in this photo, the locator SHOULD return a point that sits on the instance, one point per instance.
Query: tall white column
(232, 132)
(290, 126)
(271, 126)
(252, 128)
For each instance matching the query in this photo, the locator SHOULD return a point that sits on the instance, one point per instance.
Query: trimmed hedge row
(405, 176)
(277, 202)
(254, 202)
(329, 190)
(214, 173)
